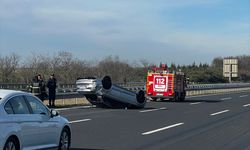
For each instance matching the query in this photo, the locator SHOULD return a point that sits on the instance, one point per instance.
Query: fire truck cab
(162, 84)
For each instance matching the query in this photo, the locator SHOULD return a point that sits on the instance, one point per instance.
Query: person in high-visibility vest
(34, 87)
(37, 88)
(42, 88)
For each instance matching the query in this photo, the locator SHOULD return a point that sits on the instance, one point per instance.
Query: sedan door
(48, 128)
(19, 115)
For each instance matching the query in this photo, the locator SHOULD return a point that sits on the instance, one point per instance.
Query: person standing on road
(41, 84)
(37, 87)
(51, 84)
(34, 87)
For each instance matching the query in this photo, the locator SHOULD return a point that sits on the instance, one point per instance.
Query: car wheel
(11, 144)
(64, 140)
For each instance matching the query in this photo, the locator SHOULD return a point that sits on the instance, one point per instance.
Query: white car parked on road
(26, 123)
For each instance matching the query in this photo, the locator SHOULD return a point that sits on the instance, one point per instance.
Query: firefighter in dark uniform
(34, 87)
(37, 87)
(42, 86)
(52, 85)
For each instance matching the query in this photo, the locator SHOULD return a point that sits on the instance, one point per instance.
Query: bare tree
(114, 67)
(8, 67)
(68, 68)
(244, 71)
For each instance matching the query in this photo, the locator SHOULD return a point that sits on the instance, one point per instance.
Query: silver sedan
(26, 123)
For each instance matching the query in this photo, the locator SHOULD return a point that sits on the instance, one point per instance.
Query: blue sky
(178, 31)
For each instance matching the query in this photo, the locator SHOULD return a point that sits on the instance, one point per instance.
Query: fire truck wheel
(177, 97)
(182, 98)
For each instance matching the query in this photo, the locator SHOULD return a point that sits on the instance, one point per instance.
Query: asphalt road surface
(209, 122)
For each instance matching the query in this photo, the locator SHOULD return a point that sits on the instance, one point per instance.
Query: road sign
(230, 68)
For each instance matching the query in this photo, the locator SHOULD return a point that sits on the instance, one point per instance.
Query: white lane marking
(195, 103)
(161, 129)
(150, 110)
(246, 105)
(243, 96)
(76, 121)
(226, 98)
(217, 113)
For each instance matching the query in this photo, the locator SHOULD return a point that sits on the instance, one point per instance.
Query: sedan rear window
(19, 105)
(8, 108)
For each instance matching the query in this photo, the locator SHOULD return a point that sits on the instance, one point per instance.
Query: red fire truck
(162, 84)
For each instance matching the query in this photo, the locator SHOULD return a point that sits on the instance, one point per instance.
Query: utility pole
(230, 73)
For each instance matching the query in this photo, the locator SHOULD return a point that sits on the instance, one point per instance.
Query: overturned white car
(105, 94)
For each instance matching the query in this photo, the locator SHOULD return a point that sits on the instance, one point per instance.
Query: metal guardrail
(217, 86)
(191, 87)
(63, 91)
(62, 88)
(69, 90)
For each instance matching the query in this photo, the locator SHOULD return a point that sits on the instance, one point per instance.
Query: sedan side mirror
(54, 113)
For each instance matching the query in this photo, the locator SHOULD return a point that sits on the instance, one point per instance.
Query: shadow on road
(148, 108)
(207, 101)
(189, 101)
(84, 149)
